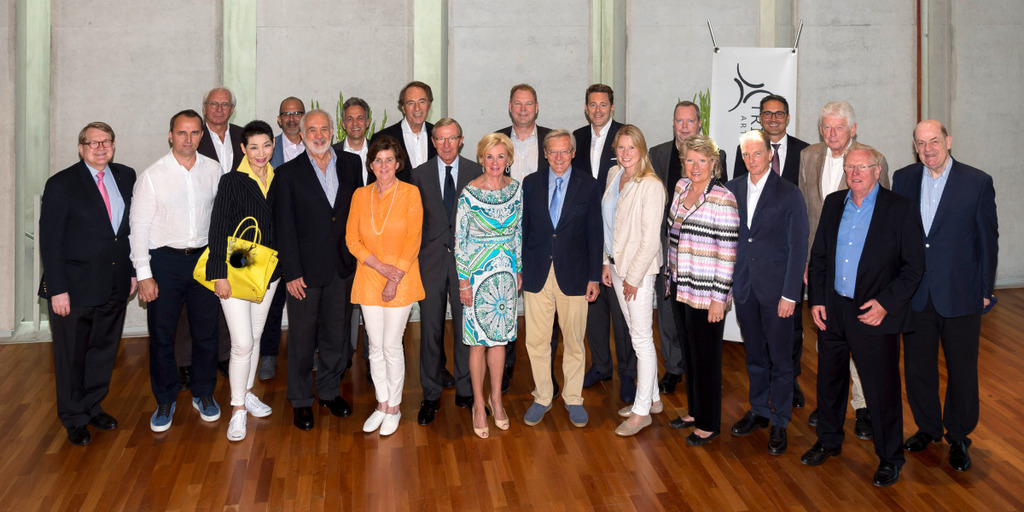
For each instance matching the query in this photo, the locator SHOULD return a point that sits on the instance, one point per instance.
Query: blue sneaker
(577, 415)
(207, 407)
(161, 420)
(535, 413)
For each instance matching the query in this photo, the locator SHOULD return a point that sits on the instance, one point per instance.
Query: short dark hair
(401, 95)
(185, 113)
(385, 142)
(254, 128)
(687, 103)
(355, 102)
(599, 88)
(776, 97)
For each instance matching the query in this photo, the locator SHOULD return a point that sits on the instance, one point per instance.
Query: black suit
(889, 270)
(206, 145)
(542, 162)
(310, 235)
(395, 131)
(339, 148)
(83, 257)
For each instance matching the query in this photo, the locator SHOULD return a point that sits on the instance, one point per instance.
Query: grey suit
(441, 281)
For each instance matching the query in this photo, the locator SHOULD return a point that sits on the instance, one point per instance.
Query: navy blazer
(80, 252)
(790, 169)
(574, 246)
(277, 159)
(542, 162)
(581, 160)
(962, 247)
(395, 131)
(772, 251)
(206, 145)
(890, 266)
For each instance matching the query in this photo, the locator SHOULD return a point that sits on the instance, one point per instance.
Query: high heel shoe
(482, 433)
(501, 424)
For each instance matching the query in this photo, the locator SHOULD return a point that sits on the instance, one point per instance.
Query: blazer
(542, 163)
(395, 131)
(790, 168)
(206, 145)
(812, 163)
(339, 147)
(636, 245)
(238, 197)
(80, 252)
(438, 240)
(574, 246)
(661, 156)
(890, 266)
(771, 252)
(310, 233)
(582, 159)
(962, 246)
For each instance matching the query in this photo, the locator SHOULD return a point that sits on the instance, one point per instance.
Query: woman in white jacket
(632, 210)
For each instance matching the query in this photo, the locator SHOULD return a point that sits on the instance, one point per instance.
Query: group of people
(589, 227)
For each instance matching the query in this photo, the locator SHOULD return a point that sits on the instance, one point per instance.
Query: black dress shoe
(668, 383)
(304, 418)
(338, 406)
(798, 396)
(694, 440)
(679, 423)
(958, 456)
(919, 441)
(79, 436)
(862, 425)
(812, 420)
(627, 390)
(222, 367)
(506, 380)
(184, 377)
(777, 442)
(103, 421)
(817, 455)
(447, 379)
(427, 410)
(886, 474)
(593, 377)
(749, 423)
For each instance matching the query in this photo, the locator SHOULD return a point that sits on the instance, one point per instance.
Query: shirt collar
(349, 149)
(406, 129)
(759, 185)
(564, 176)
(603, 131)
(454, 164)
(945, 172)
(533, 134)
(868, 201)
(94, 171)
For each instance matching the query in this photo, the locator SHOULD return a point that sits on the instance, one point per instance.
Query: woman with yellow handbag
(243, 194)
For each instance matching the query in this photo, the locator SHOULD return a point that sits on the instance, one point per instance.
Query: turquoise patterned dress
(488, 252)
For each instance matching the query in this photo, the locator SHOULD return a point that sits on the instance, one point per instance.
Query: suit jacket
(80, 252)
(206, 145)
(582, 159)
(661, 157)
(277, 159)
(771, 252)
(790, 168)
(638, 216)
(812, 163)
(438, 241)
(310, 233)
(574, 246)
(339, 147)
(962, 246)
(238, 197)
(890, 266)
(395, 131)
(542, 163)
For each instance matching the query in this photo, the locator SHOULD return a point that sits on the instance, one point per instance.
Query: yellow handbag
(250, 265)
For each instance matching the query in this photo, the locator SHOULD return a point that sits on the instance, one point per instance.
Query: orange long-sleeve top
(399, 218)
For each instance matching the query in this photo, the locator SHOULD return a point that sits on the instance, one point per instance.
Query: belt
(190, 250)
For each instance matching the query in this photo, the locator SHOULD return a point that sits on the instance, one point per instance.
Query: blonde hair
(489, 141)
(645, 167)
(704, 145)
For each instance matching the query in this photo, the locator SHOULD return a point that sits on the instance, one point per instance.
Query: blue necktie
(556, 202)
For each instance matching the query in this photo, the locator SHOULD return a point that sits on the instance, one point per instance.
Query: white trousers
(245, 324)
(386, 327)
(639, 315)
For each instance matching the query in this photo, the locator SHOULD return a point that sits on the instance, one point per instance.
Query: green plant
(703, 98)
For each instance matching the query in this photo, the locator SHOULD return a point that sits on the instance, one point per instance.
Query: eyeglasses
(296, 113)
(97, 143)
(562, 152)
(454, 139)
(220, 105)
(861, 168)
(777, 115)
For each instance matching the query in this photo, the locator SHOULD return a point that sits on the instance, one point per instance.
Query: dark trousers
(877, 357)
(323, 318)
(671, 349)
(599, 313)
(767, 340)
(183, 342)
(84, 349)
(798, 334)
(176, 287)
(702, 344)
(441, 290)
(959, 338)
(270, 342)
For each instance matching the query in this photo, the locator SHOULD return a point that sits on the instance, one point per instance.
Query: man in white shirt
(355, 118)
(170, 220)
(221, 140)
(413, 131)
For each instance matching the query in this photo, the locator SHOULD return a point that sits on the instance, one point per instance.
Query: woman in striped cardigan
(701, 254)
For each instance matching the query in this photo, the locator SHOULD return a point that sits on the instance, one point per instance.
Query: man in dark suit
(866, 263)
(87, 276)
(221, 139)
(596, 156)
(413, 130)
(770, 257)
(562, 244)
(785, 162)
(311, 200)
(665, 158)
(440, 181)
(355, 119)
(961, 238)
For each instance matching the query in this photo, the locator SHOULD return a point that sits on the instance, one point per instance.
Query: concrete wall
(7, 163)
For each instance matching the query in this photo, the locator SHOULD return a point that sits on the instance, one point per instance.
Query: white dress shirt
(832, 175)
(783, 150)
(597, 147)
(224, 149)
(290, 150)
(415, 143)
(171, 206)
(525, 155)
(362, 156)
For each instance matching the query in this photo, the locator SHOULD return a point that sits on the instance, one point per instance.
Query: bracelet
(466, 288)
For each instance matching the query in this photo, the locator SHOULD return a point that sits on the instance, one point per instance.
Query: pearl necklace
(373, 223)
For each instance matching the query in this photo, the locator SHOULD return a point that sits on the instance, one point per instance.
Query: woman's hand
(465, 292)
(606, 275)
(222, 288)
(519, 287)
(390, 290)
(628, 291)
(716, 313)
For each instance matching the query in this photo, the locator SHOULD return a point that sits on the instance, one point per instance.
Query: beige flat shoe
(625, 430)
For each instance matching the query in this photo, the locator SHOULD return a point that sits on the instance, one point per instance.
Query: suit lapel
(878, 217)
(948, 196)
(767, 195)
(570, 194)
(741, 202)
(310, 175)
(97, 207)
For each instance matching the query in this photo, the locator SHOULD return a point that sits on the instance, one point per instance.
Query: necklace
(373, 223)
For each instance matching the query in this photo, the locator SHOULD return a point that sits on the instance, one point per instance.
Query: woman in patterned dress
(488, 255)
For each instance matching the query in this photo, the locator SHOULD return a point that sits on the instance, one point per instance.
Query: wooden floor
(553, 466)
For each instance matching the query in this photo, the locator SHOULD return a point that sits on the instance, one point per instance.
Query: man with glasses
(221, 139)
(440, 181)
(413, 130)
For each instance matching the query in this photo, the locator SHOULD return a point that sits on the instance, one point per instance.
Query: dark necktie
(449, 191)
(775, 158)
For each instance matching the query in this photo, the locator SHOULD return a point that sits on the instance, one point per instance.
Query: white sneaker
(255, 407)
(390, 423)
(236, 426)
(374, 421)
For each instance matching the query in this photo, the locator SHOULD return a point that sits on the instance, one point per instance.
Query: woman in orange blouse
(385, 222)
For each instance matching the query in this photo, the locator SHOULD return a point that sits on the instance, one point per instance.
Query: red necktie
(103, 192)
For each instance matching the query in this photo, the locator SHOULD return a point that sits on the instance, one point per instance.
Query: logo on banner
(747, 90)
